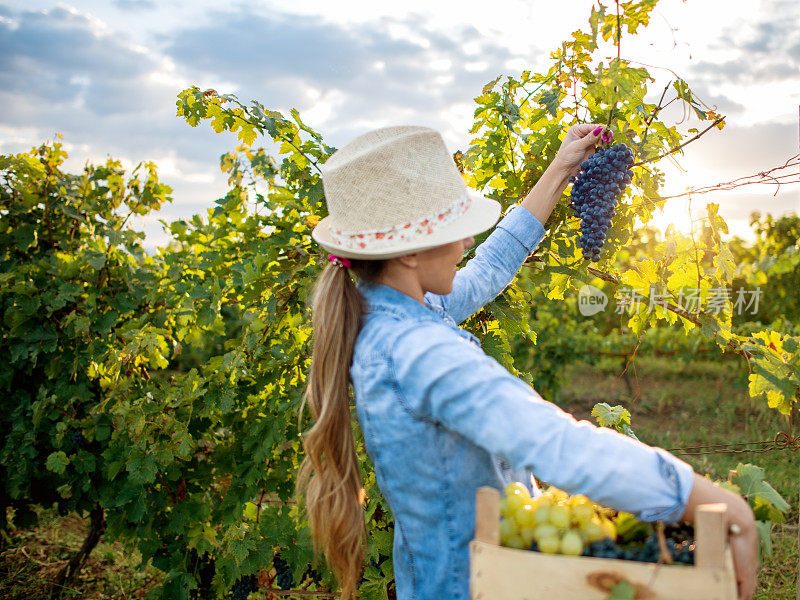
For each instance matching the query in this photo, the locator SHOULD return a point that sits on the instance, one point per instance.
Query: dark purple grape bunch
(243, 586)
(77, 439)
(595, 193)
(285, 579)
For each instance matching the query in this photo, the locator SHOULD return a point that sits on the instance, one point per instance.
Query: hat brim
(481, 215)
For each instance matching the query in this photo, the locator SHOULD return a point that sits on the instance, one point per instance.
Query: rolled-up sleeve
(495, 264)
(450, 381)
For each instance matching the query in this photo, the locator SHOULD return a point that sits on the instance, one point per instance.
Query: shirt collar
(381, 297)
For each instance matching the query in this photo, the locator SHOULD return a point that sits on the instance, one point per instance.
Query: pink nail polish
(597, 130)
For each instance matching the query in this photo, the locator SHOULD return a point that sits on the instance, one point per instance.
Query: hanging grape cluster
(311, 574)
(77, 439)
(595, 193)
(204, 568)
(285, 578)
(243, 586)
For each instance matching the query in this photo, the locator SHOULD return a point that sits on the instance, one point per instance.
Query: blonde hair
(329, 475)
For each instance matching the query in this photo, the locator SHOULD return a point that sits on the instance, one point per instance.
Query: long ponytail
(329, 474)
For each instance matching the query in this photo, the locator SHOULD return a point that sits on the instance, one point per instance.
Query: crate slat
(487, 515)
(711, 535)
(498, 573)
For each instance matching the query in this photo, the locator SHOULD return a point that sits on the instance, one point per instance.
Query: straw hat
(394, 191)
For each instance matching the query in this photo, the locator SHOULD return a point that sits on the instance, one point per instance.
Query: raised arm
(495, 264)
(498, 259)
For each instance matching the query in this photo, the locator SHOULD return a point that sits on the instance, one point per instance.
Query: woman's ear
(410, 261)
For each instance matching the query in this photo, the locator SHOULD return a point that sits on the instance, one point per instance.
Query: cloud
(135, 5)
(752, 71)
(387, 71)
(62, 71)
(63, 57)
(764, 51)
(730, 152)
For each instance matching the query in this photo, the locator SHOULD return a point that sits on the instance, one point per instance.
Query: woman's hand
(744, 545)
(744, 548)
(578, 144)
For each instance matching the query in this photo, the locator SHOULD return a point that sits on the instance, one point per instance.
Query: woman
(440, 418)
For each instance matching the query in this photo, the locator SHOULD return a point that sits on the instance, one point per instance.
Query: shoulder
(425, 335)
(384, 333)
(429, 349)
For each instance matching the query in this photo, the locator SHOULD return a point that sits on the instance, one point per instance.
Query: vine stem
(619, 45)
(625, 370)
(653, 116)
(619, 31)
(96, 528)
(261, 501)
(668, 305)
(676, 148)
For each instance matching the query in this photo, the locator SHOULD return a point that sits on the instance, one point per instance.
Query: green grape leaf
(57, 462)
(550, 100)
(617, 417)
(750, 479)
(779, 391)
(764, 529)
(764, 510)
(25, 236)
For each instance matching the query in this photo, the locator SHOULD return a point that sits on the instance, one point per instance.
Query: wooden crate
(499, 573)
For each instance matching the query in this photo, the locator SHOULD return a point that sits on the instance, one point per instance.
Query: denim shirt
(441, 418)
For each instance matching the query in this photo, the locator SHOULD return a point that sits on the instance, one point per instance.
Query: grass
(677, 405)
(36, 555)
(703, 402)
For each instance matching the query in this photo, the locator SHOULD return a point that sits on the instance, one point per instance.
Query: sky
(105, 75)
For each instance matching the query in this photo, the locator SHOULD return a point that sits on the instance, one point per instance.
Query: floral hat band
(404, 232)
(394, 191)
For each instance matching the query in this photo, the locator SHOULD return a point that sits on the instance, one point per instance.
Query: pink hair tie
(339, 261)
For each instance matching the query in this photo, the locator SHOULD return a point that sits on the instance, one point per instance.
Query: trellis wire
(782, 441)
(763, 177)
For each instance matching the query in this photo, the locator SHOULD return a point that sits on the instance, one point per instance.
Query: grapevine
(159, 391)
